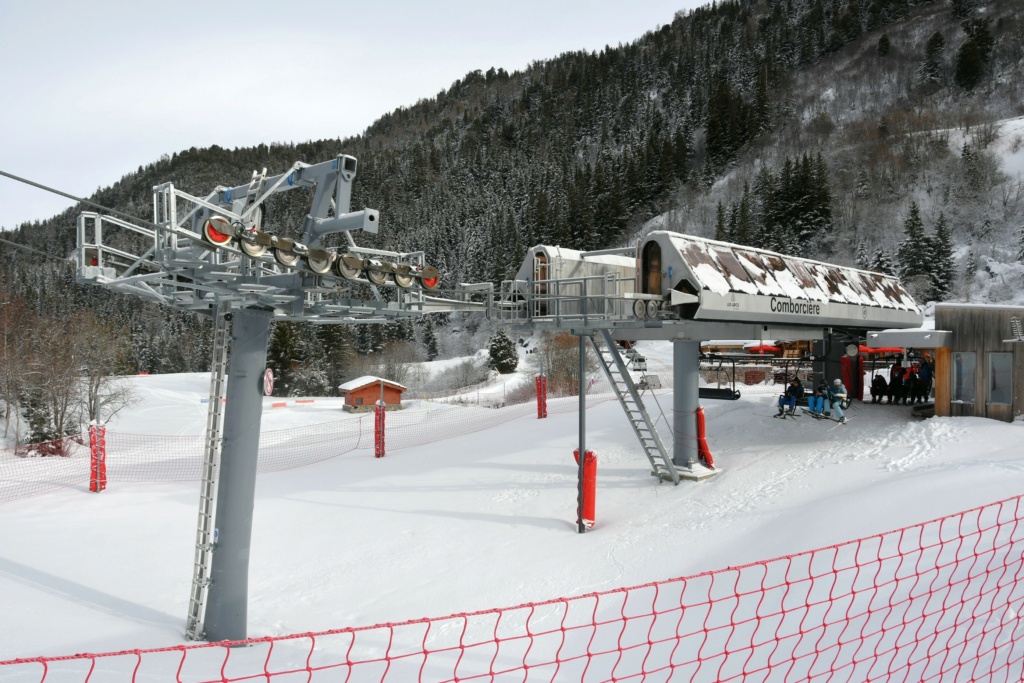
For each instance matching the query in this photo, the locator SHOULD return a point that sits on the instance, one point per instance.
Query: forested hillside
(814, 127)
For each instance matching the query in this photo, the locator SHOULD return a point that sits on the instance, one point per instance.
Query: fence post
(542, 397)
(97, 457)
(378, 429)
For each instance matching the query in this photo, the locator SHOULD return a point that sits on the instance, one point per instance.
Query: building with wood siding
(981, 372)
(362, 393)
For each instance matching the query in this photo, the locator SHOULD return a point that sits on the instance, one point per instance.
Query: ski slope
(476, 521)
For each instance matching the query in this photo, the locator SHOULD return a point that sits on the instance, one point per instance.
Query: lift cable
(23, 247)
(115, 212)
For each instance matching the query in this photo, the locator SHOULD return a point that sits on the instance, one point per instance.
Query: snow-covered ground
(476, 521)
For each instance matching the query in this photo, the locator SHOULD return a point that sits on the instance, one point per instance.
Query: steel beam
(227, 603)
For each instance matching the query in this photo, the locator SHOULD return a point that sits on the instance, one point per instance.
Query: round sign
(268, 382)
(852, 349)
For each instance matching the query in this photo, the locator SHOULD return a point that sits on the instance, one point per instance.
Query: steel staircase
(206, 534)
(629, 398)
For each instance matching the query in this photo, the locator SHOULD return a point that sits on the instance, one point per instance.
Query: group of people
(910, 384)
(822, 403)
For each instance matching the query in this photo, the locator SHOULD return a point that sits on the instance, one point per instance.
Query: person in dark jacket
(816, 403)
(895, 382)
(909, 384)
(794, 392)
(924, 378)
(879, 388)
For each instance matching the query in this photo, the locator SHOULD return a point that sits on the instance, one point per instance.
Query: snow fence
(939, 602)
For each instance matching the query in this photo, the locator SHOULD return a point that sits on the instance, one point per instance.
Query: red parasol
(762, 348)
(887, 350)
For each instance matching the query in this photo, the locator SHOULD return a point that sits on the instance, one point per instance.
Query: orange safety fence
(937, 602)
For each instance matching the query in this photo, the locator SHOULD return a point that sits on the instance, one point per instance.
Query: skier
(816, 403)
(794, 392)
(879, 388)
(836, 396)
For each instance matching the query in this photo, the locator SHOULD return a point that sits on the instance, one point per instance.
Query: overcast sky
(92, 90)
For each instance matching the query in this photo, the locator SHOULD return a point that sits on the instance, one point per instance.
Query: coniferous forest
(855, 131)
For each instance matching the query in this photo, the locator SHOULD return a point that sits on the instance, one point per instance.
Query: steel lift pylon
(213, 255)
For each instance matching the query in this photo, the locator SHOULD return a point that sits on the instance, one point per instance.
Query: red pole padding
(589, 486)
(97, 458)
(542, 396)
(703, 452)
(378, 430)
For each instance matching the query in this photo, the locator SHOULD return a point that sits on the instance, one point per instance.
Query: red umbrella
(887, 350)
(761, 348)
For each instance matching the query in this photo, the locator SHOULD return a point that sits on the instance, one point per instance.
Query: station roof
(360, 382)
(722, 267)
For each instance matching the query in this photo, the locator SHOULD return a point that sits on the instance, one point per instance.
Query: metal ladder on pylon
(206, 538)
(629, 398)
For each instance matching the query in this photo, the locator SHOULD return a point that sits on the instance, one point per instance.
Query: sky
(92, 91)
(457, 518)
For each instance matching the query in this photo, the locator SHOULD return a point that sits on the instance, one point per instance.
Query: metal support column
(580, 526)
(227, 604)
(685, 401)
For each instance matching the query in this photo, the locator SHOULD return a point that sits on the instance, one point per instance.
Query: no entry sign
(268, 382)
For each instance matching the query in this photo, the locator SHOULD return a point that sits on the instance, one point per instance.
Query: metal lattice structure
(198, 251)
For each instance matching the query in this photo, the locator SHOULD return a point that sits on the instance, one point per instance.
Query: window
(359, 401)
(963, 377)
(1000, 377)
(651, 283)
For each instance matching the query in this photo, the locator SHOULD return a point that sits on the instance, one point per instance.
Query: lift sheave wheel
(318, 261)
(286, 258)
(404, 277)
(375, 272)
(252, 249)
(348, 266)
(429, 277)
(217, 230)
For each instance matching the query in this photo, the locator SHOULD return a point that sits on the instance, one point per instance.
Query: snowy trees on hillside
(502, 352)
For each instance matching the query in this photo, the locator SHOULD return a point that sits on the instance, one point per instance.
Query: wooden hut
(362, 393)
(981, 373)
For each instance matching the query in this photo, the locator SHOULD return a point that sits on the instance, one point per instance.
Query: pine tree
(968, 65)
(282, 354)
(429, 337)
(881, 262)
(1020, 245)
(970, 272)
(882, 48)
(942, 267)
(721, 232)
(502, 351)
(930, 72)
(908, 253)
(861, 259)
(744, 226)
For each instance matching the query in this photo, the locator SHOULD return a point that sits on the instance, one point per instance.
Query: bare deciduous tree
(102, 354)
(12, 366)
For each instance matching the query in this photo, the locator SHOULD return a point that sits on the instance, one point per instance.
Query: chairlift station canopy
(680, 286)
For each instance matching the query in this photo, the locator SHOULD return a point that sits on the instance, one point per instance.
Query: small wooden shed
(981, 373)
(362, 393)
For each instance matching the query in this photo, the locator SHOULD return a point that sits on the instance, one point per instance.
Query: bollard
(97, 457)
(378, 430)
(703, 452)
(542, 397)
(589, 486)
